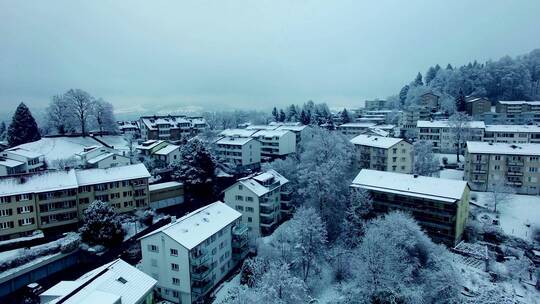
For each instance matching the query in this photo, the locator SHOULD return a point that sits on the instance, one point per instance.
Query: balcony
(267, 222)
(515, 163)
(514, 173)
(199, 273)
(266, 211)
(266, 202)
(199, 258)
(199, 288)
(239, 230)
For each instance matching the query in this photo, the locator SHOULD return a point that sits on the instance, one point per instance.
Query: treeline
(309, 113)
(505, 79)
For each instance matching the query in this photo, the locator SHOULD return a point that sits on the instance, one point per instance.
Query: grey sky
(217, 54)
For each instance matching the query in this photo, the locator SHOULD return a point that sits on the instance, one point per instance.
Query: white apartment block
(102, 158)
(517, 165)
(19, 160)
(170, 127)
(130, 128)
(439, 134)
(167, 154)
(116, 282)
(512, 134)
(353, 129)
(263, 199)
(274, 143)
(148, 147)
(383, 153)
(242, 152)
(191, 255)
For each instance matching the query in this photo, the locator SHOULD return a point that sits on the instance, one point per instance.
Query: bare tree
(60, 115)
(460, 128)
(500, 192)
(82, 105)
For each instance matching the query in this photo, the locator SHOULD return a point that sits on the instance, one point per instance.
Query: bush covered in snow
(101, 226)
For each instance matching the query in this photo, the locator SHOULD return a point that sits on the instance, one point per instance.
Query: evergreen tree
(431, 73)
(275, 114)
(345, 117)
(449, 67)
(101, 226)
(2, 130)
(461, 102)
(403, 94)
(282, 116)
(292, 115)
(304, 117)
(418, 80)
(23, 127)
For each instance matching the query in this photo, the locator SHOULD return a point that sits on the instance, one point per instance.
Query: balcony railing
(240, 230)
(199, 288)
(515, 173)
(199, 273)
(199, 258)
(266, 202)
(266, 211)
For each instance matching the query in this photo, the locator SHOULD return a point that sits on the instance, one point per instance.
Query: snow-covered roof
(261, 127)
(271, 133)
(234, 140)
(104, 285)
(447, 190)
(167, 150)
(375, 141)
(475, 124)
(519, 102)
(255, 182)
(37, 183)
(237, 132)
(197, 226)
(99, 158)
(477, 99)
(378, 132)
(98, 176)
(6, 162)
(55, 148)
(513, 128)
(384, 127)
(165, 185)
(149, 144)
(503, 148)
(152, 122)
(24, 152)
(358, 125)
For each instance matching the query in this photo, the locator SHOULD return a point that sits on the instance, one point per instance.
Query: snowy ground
(451, 174)
(517, 216)
(223, 290)
(118, 142)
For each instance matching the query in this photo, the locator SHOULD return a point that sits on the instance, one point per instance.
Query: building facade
(512, 134)
(241, 152)
(439, 134)
(477, 106)
(170, 127)
(276, 143)
(353, 129)
(193, 254)
(441, 210)
(19, 160)
(383, 153)
(492, 164)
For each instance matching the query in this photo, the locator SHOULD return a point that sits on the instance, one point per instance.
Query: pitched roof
(38, 183)
(375, 141)
(197, 226)
(448, 190)
(503, 148)
(10, 162)
(271, 133)
(167, 150)
(237, 132)
(24, 152)
(255, 182)
(234, 140)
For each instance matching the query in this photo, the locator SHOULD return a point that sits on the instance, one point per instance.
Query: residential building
(149, 147)
(170, 127)
(166, 194)
(517, 134)
(295, 127)
(239, 132)
(410, 118)
(375, 104)
(430, 100)
(263, 199)
(441, 206)
(116, 282)
(476, 106)
(383, 153)
(517, 107)
(102, 158)
(128, 127)
(242, 152)
(276, 143)
(19, 160)
(493, 164)
(57, 199)
(526, 118)
(167, 154)
(191, 255)
(353, 129)
(439, 134)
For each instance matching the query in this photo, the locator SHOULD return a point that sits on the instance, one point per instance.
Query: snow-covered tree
(461, 102)
(60, 115)
(431, 73)
(101, 225)
(252, 270)
(275, 114)
(281, 285)
(493, 295)
(3, 130)
(460, 129)
(304, 117)
(282, 116)
(424, 161)
(104, 114)
(359, 210)
(23, 127)
(292, 113)
(345, 116)
(82, 105)
(418, 80)
(499, 192)
(403, 94)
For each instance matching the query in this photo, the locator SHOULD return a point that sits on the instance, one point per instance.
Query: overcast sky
(246, 54)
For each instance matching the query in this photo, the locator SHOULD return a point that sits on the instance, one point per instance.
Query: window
(249, 198)
(239, 198)
(174, 252)
(249, 209)
(6, 212)
(176, 281)
(6, 225)
(153, 248)
(25, 197)
(250, 220)
(174, 267)
(174, 292)
(26, 221)
(240, 187)
(239, 208)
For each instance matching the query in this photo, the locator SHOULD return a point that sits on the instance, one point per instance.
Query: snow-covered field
(451, 174)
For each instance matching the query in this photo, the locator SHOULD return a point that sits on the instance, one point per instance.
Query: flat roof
(10, 162)
(167, 150)
(503, 148)
(98, 176)
(24, 152)
(475, 124)
(358, 125)
(165, 185)
(237, 132)
(519, 102)
(271, 133)
(37, 183)
(513, 128)
(375, 141)
(441, 189)
(229, 140)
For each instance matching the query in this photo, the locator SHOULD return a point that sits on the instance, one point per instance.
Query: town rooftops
(259, 184)
(476, 99)
(152, 122)
(237, 132)
(475, 124)
(240, 141)
(107, 284)
(167, 150)
(375, 141)
(114, 174)
(261, 127)
(357, 125)
(446, 190)
(270, 133)
(38, 183)
(519, 102)
(100, 157)
(149, 144)
(24, 152)
(161, 186)
(513, 128)
(197, 226)
(503, 148)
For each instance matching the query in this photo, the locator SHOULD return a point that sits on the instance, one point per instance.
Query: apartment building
(167, 154)
(242, 152)
(353, 129)
(57, 199)
(476, 106)
(170, 127)
(439, 134)
(410, 117)
(102, 158)
(116, 282)
(19, 160)
(516, 134)
(166, 194)
(383, 153)
(526, 118)
(149, 147)
(375, 104)
(430, 100)
(441, 206)
(517, 107)
(491, 164)
(129, 127)
(297, 128)
(276, 143)
(264, 199)
(193, 254)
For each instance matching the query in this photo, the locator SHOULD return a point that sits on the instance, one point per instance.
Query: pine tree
(292, 115)
(345, 117)
(275, 114)
(461, 102)
(101, 225)
(23, 127)
(418, 80)
(403, 94)
(304, 118)
(282, 116)
(2, 130)
(449, 67)
(431, 73)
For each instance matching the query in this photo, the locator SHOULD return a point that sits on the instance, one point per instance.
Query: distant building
(441, 206)
(353, 129)
(242, 152)
(439, 134)
(129, 128)
(477, 106)
(376, 104)
(57, 199)
(526, 118)
(517, 107)
(295, 127)
(102, 158)
(410, 118)
(149, 147)
(516, 134)
(191, 255)
(263, 199)
(383, 153)
(276, 143)
(19, 160)
(517, 165)
(170, 127)
(116, 282)
(430, 100)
